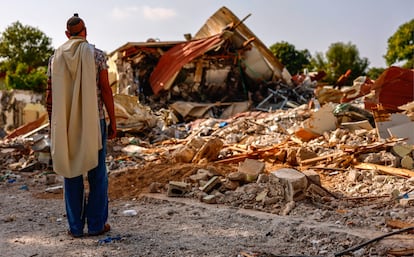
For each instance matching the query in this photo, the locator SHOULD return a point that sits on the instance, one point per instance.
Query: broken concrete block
(231, 184)
(304, 154)
(236, 176)
(291, 156)
(313, 176)
(252, 169)
(407, 162)
(201, 174)
(321, 121)
(196, 143)
(402, 150)
(211, 199)
(315, 190)
(209, 150)
(184, 154)
(211, 184)
(177, 188)
(295, 183)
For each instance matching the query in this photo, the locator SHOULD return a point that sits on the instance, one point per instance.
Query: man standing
(78, 89)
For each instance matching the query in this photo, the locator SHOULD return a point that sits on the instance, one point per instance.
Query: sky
(307, 24)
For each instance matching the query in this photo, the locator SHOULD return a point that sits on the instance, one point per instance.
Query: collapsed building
(223, 63)
(19, 107)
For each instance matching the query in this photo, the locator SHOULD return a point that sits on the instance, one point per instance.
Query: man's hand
(112, 130)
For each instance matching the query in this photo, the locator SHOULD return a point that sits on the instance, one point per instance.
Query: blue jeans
(94, 208)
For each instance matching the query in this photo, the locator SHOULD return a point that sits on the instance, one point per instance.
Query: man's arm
(108, 100)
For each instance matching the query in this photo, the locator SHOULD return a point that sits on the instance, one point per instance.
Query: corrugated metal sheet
(395, 87)
(130, 46)
(260, 59)
(174, 59)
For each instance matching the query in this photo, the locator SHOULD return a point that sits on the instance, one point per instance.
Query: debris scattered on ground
(283, 146)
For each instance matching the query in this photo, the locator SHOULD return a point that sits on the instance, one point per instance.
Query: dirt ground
(33, 222)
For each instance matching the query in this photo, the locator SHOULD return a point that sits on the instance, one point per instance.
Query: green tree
(294, 60)
(318, 62)
(338, 59)
(374, 73)
(401, 46)
(27, 79)
(23, 50)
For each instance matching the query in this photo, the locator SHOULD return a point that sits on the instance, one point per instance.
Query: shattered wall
(202, 80)
(225, 64)
(19, 107)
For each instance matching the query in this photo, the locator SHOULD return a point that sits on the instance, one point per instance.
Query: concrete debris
(177, 188)
(251, 169)
(209, 151)
(407, 162)
(211, 199)
(246, 136)
(321, 121)
(294, 181)
(211, 184)
(131, 116)
(402, 150)
(274, 170)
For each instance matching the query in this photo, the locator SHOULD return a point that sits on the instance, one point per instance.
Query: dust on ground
(33, 222)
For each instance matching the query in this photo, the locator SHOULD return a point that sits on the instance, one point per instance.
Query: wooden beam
(319, 158)
(386, 169)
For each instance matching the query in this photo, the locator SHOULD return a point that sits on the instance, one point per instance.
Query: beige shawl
(75, 129)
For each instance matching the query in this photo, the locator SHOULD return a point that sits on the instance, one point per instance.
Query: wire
(373, 240)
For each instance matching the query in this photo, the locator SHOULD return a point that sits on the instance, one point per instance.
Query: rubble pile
(267, 140)
(346, 175)
(330, 162)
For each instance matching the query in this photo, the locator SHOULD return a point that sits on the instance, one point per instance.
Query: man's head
(75, 26)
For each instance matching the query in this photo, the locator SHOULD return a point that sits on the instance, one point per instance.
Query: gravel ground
(33, 223)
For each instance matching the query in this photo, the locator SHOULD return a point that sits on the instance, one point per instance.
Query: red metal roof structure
(175, 58)
(395, 87)
(259, 58)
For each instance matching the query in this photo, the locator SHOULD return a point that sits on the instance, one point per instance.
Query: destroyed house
(223, 62)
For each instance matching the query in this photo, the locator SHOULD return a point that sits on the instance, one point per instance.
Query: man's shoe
(106, 228)
(73, 235)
